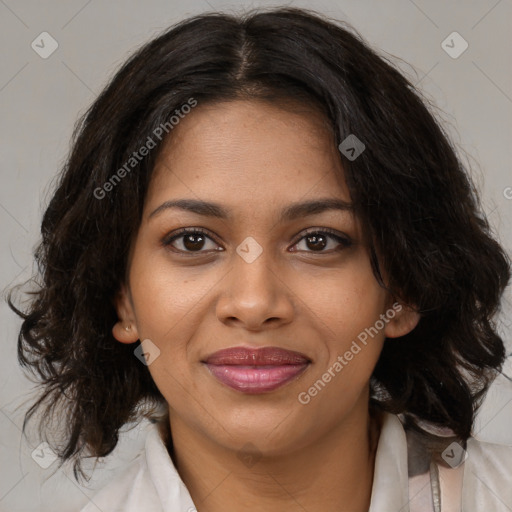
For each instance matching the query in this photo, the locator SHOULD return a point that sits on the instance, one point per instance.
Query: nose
(255, 295)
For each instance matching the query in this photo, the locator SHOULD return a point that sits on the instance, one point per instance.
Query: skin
(255, 159)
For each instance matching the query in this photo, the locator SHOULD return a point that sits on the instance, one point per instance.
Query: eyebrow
(293, 211)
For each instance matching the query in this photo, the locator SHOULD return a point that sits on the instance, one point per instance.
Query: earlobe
(125, 333)
(403, 322)
(125, 329)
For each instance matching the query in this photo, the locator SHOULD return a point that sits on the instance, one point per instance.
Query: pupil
(193, 242)
(317, 241)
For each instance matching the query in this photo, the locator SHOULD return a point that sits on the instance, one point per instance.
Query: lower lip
(255, 379)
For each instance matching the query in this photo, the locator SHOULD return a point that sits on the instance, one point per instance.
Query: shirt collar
(169, 486)
(390, 490)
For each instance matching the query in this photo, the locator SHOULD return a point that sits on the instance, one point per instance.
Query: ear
(125, 329)
(402, 320)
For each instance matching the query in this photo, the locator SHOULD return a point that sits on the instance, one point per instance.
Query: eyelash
(344, 241)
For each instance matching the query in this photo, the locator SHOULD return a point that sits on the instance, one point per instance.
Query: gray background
(40, 99)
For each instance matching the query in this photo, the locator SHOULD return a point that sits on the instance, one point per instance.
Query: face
(259, 275)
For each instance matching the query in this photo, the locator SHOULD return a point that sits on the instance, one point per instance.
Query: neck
(333, 473)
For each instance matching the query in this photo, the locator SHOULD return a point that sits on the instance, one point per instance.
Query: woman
(263, 241)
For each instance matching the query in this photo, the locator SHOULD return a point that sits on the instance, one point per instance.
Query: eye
(190, 240)
(316, 240)
(195, 240)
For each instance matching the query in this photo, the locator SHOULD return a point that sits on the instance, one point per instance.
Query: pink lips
(256, 370)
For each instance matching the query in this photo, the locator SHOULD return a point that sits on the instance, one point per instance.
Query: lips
(253, 371)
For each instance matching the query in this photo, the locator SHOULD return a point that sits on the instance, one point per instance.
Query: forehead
(248, 152)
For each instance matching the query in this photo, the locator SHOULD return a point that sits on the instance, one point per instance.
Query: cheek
(169, 304)
(349, 348)
(166, 297)
(346, 307)
(344, 302)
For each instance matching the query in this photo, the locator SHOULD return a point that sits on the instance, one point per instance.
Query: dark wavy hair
(428, 235)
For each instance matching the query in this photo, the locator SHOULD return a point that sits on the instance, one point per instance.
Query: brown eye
(317, 241)
(190, 240)
(193, 242)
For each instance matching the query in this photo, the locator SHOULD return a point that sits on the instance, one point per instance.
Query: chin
(274, 435)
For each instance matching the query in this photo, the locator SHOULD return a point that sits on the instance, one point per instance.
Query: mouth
(253, 371)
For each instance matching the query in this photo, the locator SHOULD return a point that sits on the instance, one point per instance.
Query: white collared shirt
(151, 482)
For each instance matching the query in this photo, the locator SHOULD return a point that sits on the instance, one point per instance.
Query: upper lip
(246, 356)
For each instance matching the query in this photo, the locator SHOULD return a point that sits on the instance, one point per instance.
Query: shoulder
(484, 481)
(150, 483)
(131, 490)
(488, 476)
